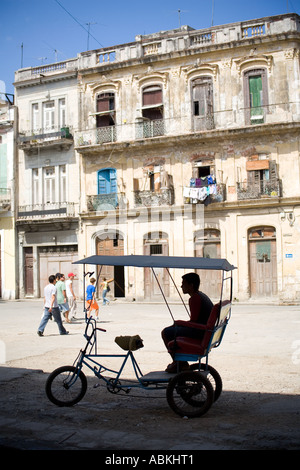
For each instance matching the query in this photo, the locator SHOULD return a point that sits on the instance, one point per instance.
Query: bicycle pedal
(96, 385)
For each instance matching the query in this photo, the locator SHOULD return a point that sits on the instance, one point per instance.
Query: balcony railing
(47, 211)
(97, 136)
(263, 189)
(102, 202)
(44, 136)
(273, 114)
(165, 197)
(147, 128)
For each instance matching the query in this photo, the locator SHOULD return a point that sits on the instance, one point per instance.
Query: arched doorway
(112, 244)
(208, 245)
(262, 261)
(156, 244)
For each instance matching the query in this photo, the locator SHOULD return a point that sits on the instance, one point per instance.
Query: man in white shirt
(71, 297)
(51, 308)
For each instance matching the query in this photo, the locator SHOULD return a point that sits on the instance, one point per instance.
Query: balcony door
(105, 119)
(107, 189)
(202, 91)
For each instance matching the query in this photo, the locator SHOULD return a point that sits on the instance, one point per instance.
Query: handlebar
(94, 328)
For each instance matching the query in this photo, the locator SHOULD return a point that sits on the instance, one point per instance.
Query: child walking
(91, 303)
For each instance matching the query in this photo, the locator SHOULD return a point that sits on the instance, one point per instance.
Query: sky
(56, 30)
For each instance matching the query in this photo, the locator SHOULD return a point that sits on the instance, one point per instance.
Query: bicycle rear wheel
(190, 394)
(212, 375)
(66, 386)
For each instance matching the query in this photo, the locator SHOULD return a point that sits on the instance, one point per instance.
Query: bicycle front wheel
(66, 386)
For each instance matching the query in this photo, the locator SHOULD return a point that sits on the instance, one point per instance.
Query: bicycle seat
(129, 343)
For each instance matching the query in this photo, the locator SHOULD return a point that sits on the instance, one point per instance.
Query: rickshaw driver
(200, 307)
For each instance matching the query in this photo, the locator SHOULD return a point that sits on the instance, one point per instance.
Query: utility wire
(78, 22)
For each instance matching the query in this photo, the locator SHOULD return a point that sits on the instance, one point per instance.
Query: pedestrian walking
(106, 289)
(62, 297)
(71, 297)
(91, 303)
(51, 308)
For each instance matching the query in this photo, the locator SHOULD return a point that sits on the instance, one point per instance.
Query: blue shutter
(107, 183)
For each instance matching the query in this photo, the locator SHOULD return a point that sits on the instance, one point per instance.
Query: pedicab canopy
(141, 261)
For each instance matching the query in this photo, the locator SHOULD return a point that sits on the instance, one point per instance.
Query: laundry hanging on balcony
(200, 190)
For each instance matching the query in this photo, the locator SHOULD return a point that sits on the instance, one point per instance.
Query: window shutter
(152, 96)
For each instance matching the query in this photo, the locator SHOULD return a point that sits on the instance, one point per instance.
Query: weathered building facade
(47, 217)
(186, 142)
(8, 259)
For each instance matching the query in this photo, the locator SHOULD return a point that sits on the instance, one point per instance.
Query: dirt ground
(258, 360)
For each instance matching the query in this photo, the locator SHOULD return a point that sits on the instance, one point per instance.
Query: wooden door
(160, 277)
(112, 245)
(262, 262)
(57, 260)
(209, 247)
(28, 270)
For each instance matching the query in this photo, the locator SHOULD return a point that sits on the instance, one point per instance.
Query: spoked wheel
(66, 386)
(190, 394)
(212, 375)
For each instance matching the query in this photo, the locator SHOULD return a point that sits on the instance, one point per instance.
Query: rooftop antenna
(42, 59)
(88, 38)
(22, 55)
(212, 13)
(179, 16)
(55, 51)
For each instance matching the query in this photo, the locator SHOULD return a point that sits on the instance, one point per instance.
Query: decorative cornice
(254, 61)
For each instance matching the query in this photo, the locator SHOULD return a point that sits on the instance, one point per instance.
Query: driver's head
(190, 281)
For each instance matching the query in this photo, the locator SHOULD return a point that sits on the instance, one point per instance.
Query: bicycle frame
(91, 360)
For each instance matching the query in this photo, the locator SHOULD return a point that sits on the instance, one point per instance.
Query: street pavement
(258, 360)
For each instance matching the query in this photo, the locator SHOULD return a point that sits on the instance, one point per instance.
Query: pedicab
(189, 393)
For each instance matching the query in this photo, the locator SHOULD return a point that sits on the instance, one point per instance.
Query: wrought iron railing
(148, 128)
(153, 198)
(263, 189)
(102, 202)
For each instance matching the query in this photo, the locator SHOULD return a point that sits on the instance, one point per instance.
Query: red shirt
(200, 307)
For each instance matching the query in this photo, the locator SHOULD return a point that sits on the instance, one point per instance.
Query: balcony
(52, 137)
(277, 116)
(263, 189)
(47, 211)
(102, 202)
(165, 197)
(5, 199)
(100, 135)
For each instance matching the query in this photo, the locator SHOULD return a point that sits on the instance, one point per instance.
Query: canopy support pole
(179, 293)
(162, 293)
